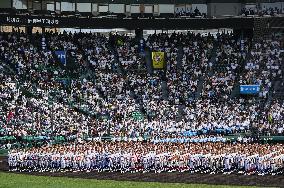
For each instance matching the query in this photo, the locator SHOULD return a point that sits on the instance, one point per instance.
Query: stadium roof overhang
(109, 23)
(167, 1)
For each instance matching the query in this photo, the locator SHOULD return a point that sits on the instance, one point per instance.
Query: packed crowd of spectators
(264, 12)
(196, 52)
(190, 13)
(129, 55)
(229, 53)
(89, 96)
(263, 65)
(232, 116)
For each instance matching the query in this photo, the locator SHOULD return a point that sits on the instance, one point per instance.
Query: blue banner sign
(249, 89)
(61, 56)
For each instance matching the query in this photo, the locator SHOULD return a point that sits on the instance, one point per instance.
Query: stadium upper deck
(142, 14)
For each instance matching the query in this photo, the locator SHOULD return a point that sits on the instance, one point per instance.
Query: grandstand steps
(242, 64)
(239, 72)
(85, 75)
(261, 28)
(137, 98)
(236, 91)
(213, 56)
(165, 90)
(119, 68)
(277, 85)
(279, 95)
(148, 59)
(180, 112)
(132, 94)
(214, 52)
(278, 90)
(179, 57)
(199, 87)
(91, 75)
(219, 68)
(9, 67)
(269, 99)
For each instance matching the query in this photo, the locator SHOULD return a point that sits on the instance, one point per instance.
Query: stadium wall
(6, 4)
(221, 9)
(104, 23)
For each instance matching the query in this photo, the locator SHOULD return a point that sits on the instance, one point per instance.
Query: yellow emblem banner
(158, 60)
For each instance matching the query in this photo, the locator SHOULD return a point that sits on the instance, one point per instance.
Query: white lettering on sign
(60, 56)
(33, 20)
(13, 20)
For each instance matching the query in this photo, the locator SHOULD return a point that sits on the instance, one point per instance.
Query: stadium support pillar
(243, 33)
(140, 41)
(261, 28)
(139, 33)
(29, 30)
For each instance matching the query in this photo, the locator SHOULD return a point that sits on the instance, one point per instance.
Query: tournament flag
(158, 60)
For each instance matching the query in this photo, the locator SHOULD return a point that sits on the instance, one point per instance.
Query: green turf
(9, 180)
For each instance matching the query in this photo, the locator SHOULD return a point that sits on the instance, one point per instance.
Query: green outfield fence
(264, 139)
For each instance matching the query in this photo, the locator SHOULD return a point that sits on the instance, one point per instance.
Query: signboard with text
(31, 20)
(61, 56)
(249, 89)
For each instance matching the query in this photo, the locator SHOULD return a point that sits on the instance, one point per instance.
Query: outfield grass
(9, 180)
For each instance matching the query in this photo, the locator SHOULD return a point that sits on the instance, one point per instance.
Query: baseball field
(11, 180)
